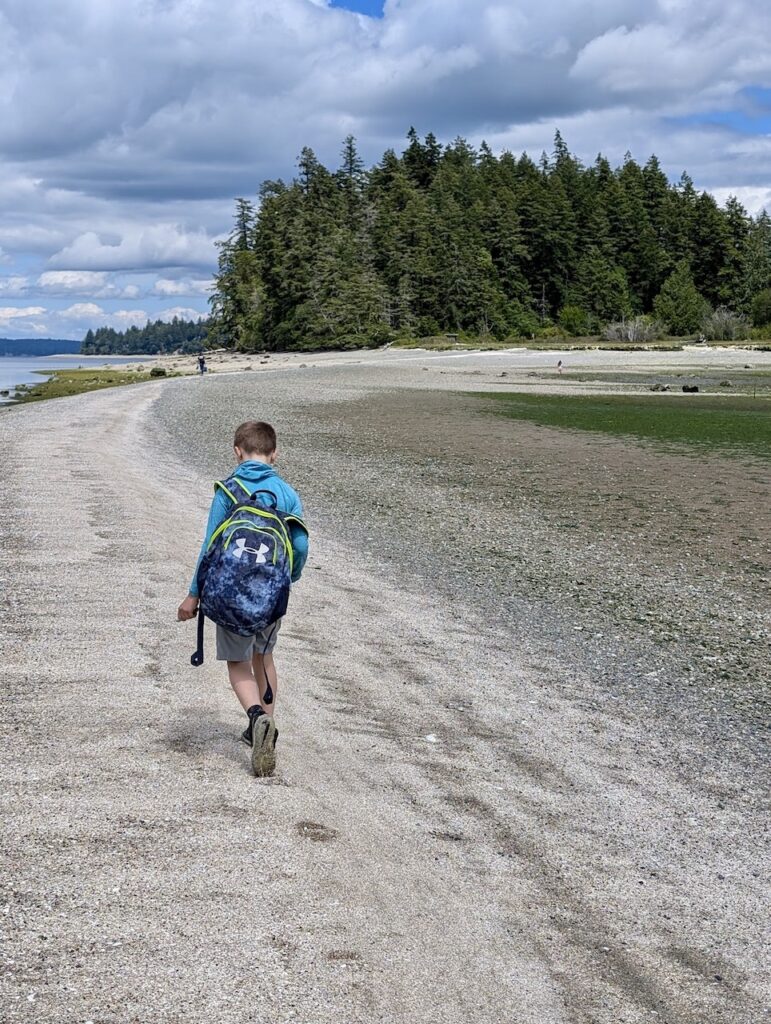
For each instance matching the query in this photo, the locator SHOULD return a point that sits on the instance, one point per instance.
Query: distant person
(255, 547)
(202, 364)
(559, 366)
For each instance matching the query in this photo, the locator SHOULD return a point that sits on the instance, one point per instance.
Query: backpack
(245, 575)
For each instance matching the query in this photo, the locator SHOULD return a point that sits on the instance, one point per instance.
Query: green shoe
(264, 734)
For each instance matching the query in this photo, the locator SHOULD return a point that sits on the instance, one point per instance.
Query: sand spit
(516, 363)
(454, 834)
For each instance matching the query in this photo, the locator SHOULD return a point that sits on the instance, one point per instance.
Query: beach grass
(64, 383)
(727, 424)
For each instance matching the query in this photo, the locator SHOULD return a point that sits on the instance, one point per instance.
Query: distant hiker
(559, 366)
(202, 364)
(255, 547)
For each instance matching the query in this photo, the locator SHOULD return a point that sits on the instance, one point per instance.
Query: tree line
(453, 239)
(177, 336)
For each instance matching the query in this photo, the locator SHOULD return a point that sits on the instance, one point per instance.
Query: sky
(127, 127)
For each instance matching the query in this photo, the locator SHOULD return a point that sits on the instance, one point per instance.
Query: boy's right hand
(188, 609)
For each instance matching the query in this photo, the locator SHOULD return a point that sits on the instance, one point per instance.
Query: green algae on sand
(726, 424)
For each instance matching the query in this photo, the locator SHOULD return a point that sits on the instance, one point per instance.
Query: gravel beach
(523, 759)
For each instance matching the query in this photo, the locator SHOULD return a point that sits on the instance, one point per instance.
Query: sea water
(15, 370)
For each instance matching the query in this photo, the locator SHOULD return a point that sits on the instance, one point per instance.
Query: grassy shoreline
(66, 383)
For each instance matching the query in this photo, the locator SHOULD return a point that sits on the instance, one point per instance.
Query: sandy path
(525, 858)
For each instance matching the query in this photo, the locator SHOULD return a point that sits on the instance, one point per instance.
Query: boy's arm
(300, 548)
(299, 538)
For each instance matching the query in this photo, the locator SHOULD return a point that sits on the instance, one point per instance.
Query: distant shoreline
(104, 357)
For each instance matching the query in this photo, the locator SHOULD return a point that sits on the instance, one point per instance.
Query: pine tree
(641, 255)
(421, 160)
(733, 272)
(679, 305)
(235, 303)
(711, 250)
(756, 260)
(351, 177)
(600, 288)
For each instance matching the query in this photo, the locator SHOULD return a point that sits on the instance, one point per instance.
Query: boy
(251, 670)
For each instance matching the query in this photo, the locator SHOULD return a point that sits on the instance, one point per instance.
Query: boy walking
(251, 668)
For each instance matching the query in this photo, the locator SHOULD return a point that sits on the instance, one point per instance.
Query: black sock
(255, 711)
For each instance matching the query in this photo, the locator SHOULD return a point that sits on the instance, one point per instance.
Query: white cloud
(14, 287)
(19, 319)
(63, 281)
(20, 312)
(94, 283)
(183, 286)
(124, 318)
(159, 245)
(82, 311)
(180, 312)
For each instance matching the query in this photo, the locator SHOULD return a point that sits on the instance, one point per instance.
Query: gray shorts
(232, 647)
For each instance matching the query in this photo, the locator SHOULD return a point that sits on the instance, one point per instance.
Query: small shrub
(575, 320)
(723, 324)
(157, 371)
(427, 327)
(636, 330)
(523, 322)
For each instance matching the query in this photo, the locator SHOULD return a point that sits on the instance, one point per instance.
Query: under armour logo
(260, 552)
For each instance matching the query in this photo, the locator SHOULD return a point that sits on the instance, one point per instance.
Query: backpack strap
(270, 495)
(290, 517)
(196, 658)
(229, 487)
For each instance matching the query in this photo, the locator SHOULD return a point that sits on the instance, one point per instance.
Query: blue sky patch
(751, 116)
(374, 8)
(759, 94)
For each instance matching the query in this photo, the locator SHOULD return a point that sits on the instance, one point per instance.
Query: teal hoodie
(257, 476)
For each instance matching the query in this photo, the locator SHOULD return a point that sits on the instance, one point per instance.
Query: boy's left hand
(188, 609)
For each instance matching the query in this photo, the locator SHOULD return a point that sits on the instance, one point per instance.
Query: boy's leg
(243, 682)
(261, 733)
(237, 651)
(264, 670)
(263, 665)
(249, 682)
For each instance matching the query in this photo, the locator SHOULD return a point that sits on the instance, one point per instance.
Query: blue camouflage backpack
(245, 575)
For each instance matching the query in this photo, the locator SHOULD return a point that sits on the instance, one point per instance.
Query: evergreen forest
(453, 239)
(37, 346)
(177, 336)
